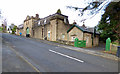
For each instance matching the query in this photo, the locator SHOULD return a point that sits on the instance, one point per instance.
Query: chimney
(83, 25)
(74, 22)
(37, 15)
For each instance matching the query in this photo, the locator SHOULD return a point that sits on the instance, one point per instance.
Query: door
(27, 30)
(42, 32)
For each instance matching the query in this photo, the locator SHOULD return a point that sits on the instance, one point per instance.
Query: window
(63, 36)
(87, 39)
(73, 38)
(33, 32)
(38, 23)
(45, 21)
(42, 32)
(27, 30)
(65, 20)
(48, 34)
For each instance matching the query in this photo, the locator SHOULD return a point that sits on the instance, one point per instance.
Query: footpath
(84, 50)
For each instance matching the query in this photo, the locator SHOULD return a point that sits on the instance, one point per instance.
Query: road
(21, 54)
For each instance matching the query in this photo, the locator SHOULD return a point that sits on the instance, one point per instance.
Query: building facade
(56, 27)
(83, 33)
(53, 27)
(26, 27)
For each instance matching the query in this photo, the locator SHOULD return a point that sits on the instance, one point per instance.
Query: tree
(59, 11)
(1, 29)
(93, 8)
(109, 26)
(13, 28)
(4, 28)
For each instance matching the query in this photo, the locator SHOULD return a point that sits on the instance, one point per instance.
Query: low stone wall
(71, 43)
(113, 48)
(66, 42)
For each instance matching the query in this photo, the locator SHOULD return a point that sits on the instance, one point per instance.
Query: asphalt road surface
(21, 54)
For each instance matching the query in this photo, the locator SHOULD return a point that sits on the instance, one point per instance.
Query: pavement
(12, 62)
(97, 51)
(21, 54)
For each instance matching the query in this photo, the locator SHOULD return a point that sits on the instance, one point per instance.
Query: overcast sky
(15, 11)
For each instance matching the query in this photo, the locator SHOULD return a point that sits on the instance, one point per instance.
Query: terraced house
(27, 27)
(53, 27)
(56, 27)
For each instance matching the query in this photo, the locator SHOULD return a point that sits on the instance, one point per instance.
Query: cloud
(15, 11)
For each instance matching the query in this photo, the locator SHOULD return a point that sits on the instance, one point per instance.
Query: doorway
(27, 32)
(42, 33)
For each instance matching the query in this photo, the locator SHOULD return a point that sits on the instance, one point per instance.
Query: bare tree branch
(93, 7)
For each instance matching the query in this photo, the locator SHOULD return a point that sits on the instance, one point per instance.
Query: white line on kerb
(66, 56)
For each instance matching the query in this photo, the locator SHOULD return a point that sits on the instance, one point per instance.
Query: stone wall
(53, 30)
(66, 42)
(96, 41)
(113, 47)
(88, 39)
(18, 31)
(37, 32)
(75, 33)
(56, 29)
(62, 30)
(48, 31)
(29, 24)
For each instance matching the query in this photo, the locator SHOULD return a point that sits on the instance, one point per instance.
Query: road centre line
(66, 56)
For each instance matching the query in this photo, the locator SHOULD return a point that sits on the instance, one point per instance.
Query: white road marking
(66, 56)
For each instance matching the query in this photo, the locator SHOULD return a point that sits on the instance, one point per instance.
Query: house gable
(85, 30)
(73, 27)
(75, 33)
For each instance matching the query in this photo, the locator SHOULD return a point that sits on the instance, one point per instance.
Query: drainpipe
(94, 33)
(44, 32)
(56, 29)
(68, 38)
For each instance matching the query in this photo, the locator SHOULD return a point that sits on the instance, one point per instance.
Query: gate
(79, 43)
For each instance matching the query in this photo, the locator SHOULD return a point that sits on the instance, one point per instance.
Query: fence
(79, 43)
(76, 43)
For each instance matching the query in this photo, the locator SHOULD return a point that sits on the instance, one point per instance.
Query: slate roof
(84, 29)
(31, 17)
(20, 26)
(41, 21)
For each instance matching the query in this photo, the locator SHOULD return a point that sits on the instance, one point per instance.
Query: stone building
(56, 27)
(83, 33)
(19, 29)
(28, 25)
(53, 27)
